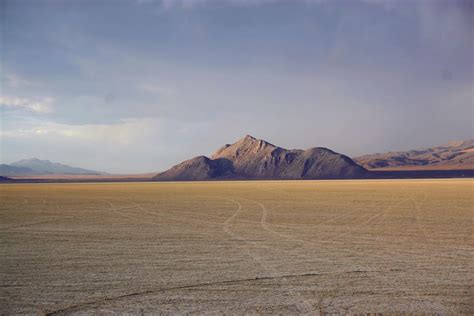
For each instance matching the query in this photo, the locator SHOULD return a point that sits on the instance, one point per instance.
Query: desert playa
(264, 247)
(236, 157)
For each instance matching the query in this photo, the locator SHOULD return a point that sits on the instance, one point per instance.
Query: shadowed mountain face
(454, 155)
(36, 166)
(251, 158)
(198, 168)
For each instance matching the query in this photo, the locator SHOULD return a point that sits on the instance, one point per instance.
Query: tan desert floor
(286, 247)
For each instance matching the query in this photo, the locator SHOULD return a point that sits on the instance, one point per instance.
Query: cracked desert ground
(262, 247)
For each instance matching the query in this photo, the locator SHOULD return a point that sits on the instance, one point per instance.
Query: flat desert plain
(262, 247)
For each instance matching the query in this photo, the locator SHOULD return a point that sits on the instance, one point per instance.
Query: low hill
(251, 158)
(455, 155)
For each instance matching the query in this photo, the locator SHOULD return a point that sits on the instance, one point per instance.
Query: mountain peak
(249, 140)
(248, 137)
(243, 147)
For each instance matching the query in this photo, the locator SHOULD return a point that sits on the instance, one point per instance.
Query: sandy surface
(399, 246)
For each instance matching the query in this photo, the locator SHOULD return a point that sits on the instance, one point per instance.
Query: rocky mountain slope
(454, 155)
(251, 158)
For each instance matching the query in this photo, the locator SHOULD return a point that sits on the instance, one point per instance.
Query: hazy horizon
(192, 156)
(136, 86)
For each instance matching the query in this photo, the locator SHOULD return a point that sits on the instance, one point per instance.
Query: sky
(132, 86)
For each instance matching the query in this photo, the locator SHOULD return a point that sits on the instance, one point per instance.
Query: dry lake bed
(262, 247)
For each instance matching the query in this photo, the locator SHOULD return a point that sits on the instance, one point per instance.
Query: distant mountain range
(251, 158)
(36, 166)
(451, 156)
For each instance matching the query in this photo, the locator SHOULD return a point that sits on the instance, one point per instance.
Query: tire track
(303, 305)
(297, 227)
(71, 308)
(35, 223)
(265, 226)
(416, 213)
(372, 218)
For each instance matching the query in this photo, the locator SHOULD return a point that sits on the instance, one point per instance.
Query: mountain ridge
(453, 155)
(252, 158)
(35, 166)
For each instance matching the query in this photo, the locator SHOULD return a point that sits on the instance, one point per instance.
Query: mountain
(37, 166)
(8, 170)
(4, 179)
(251, 158)
(454, 155)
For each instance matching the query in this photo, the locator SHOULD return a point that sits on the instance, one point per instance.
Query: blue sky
(139, 85)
